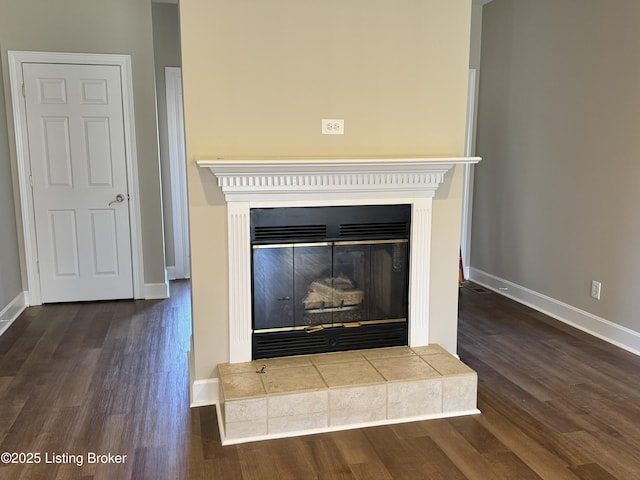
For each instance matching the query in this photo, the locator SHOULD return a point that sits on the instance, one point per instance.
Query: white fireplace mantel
(263, 179)
(285, 182)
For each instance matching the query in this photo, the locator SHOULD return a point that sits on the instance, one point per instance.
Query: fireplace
(273, 183)
(329, 279)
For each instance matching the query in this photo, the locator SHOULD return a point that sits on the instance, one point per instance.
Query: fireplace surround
(253, 183)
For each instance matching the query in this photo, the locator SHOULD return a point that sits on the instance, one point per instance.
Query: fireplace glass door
(310, 286)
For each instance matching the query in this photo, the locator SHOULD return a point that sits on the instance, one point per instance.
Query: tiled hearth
(291, 396)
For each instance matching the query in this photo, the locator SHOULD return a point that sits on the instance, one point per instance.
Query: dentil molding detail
(246, 179)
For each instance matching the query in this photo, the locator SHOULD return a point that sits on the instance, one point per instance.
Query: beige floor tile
(231, 368)
(388, 352)
(290, 380)
(253, 428)
(295, 394)
(245, 410)
(433, 349)
(283, 362)
(414, 398)
(459, 393)
(298, 423)
(336, 357)
(353, 373)
(404, 368)
(242, 385)
(448, 365)
(357, 404)
(302, 403)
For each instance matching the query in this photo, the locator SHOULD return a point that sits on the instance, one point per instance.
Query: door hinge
(30, 181)
(23, 91)
(38, 265)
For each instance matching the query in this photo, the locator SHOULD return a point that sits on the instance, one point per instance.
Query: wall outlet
(333, 126)
(596, 288)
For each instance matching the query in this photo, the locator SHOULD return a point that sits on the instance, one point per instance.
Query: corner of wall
(202, 392)
(12, 311)
(599, 327)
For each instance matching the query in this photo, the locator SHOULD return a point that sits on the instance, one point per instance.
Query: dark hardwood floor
(111, 378)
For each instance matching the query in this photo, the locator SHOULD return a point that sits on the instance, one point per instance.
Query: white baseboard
(606, 330)
(12, 311)
(171, 272)
(174, 274)
(203, 392)
(155, 291)
(466, 270)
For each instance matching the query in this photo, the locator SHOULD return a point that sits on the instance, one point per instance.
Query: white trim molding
(467, 182)
(203, 392)
(177, 172)
(599, 327)
(12, 311)
(329, 178)
(157, 291)
(288, 182)
(16, 59)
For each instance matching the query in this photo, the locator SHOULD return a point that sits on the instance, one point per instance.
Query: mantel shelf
(243, 179)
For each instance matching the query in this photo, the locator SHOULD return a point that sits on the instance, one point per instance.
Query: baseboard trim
(156, 291)
(12, 311)
(174, 274)
(171, 272)
(602, 328)
(204, 392)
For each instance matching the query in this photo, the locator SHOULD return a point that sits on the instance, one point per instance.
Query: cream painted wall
(556, 193)
(258, 78)
(116, 26)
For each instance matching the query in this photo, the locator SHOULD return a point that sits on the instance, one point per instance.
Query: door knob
(119, 199)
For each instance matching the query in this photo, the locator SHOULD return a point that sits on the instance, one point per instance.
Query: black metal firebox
(329, 278)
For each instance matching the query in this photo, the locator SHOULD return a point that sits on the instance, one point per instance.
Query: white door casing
(83, 157)
(178, 167)
(467, 187)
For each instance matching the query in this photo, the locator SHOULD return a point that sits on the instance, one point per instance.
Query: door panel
(78, 167)
(99, 160)
(64, 245)
(57, 151)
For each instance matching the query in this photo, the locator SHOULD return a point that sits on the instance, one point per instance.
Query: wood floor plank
(375, 470)
(326, 458)
(472, 464)
(592, 471)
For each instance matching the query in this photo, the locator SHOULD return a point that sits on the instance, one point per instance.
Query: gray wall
(166, 47)
(476, 36)
(117, 27)
(555, 202)
(10, 277)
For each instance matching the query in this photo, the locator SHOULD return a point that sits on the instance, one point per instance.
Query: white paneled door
(79, 179)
